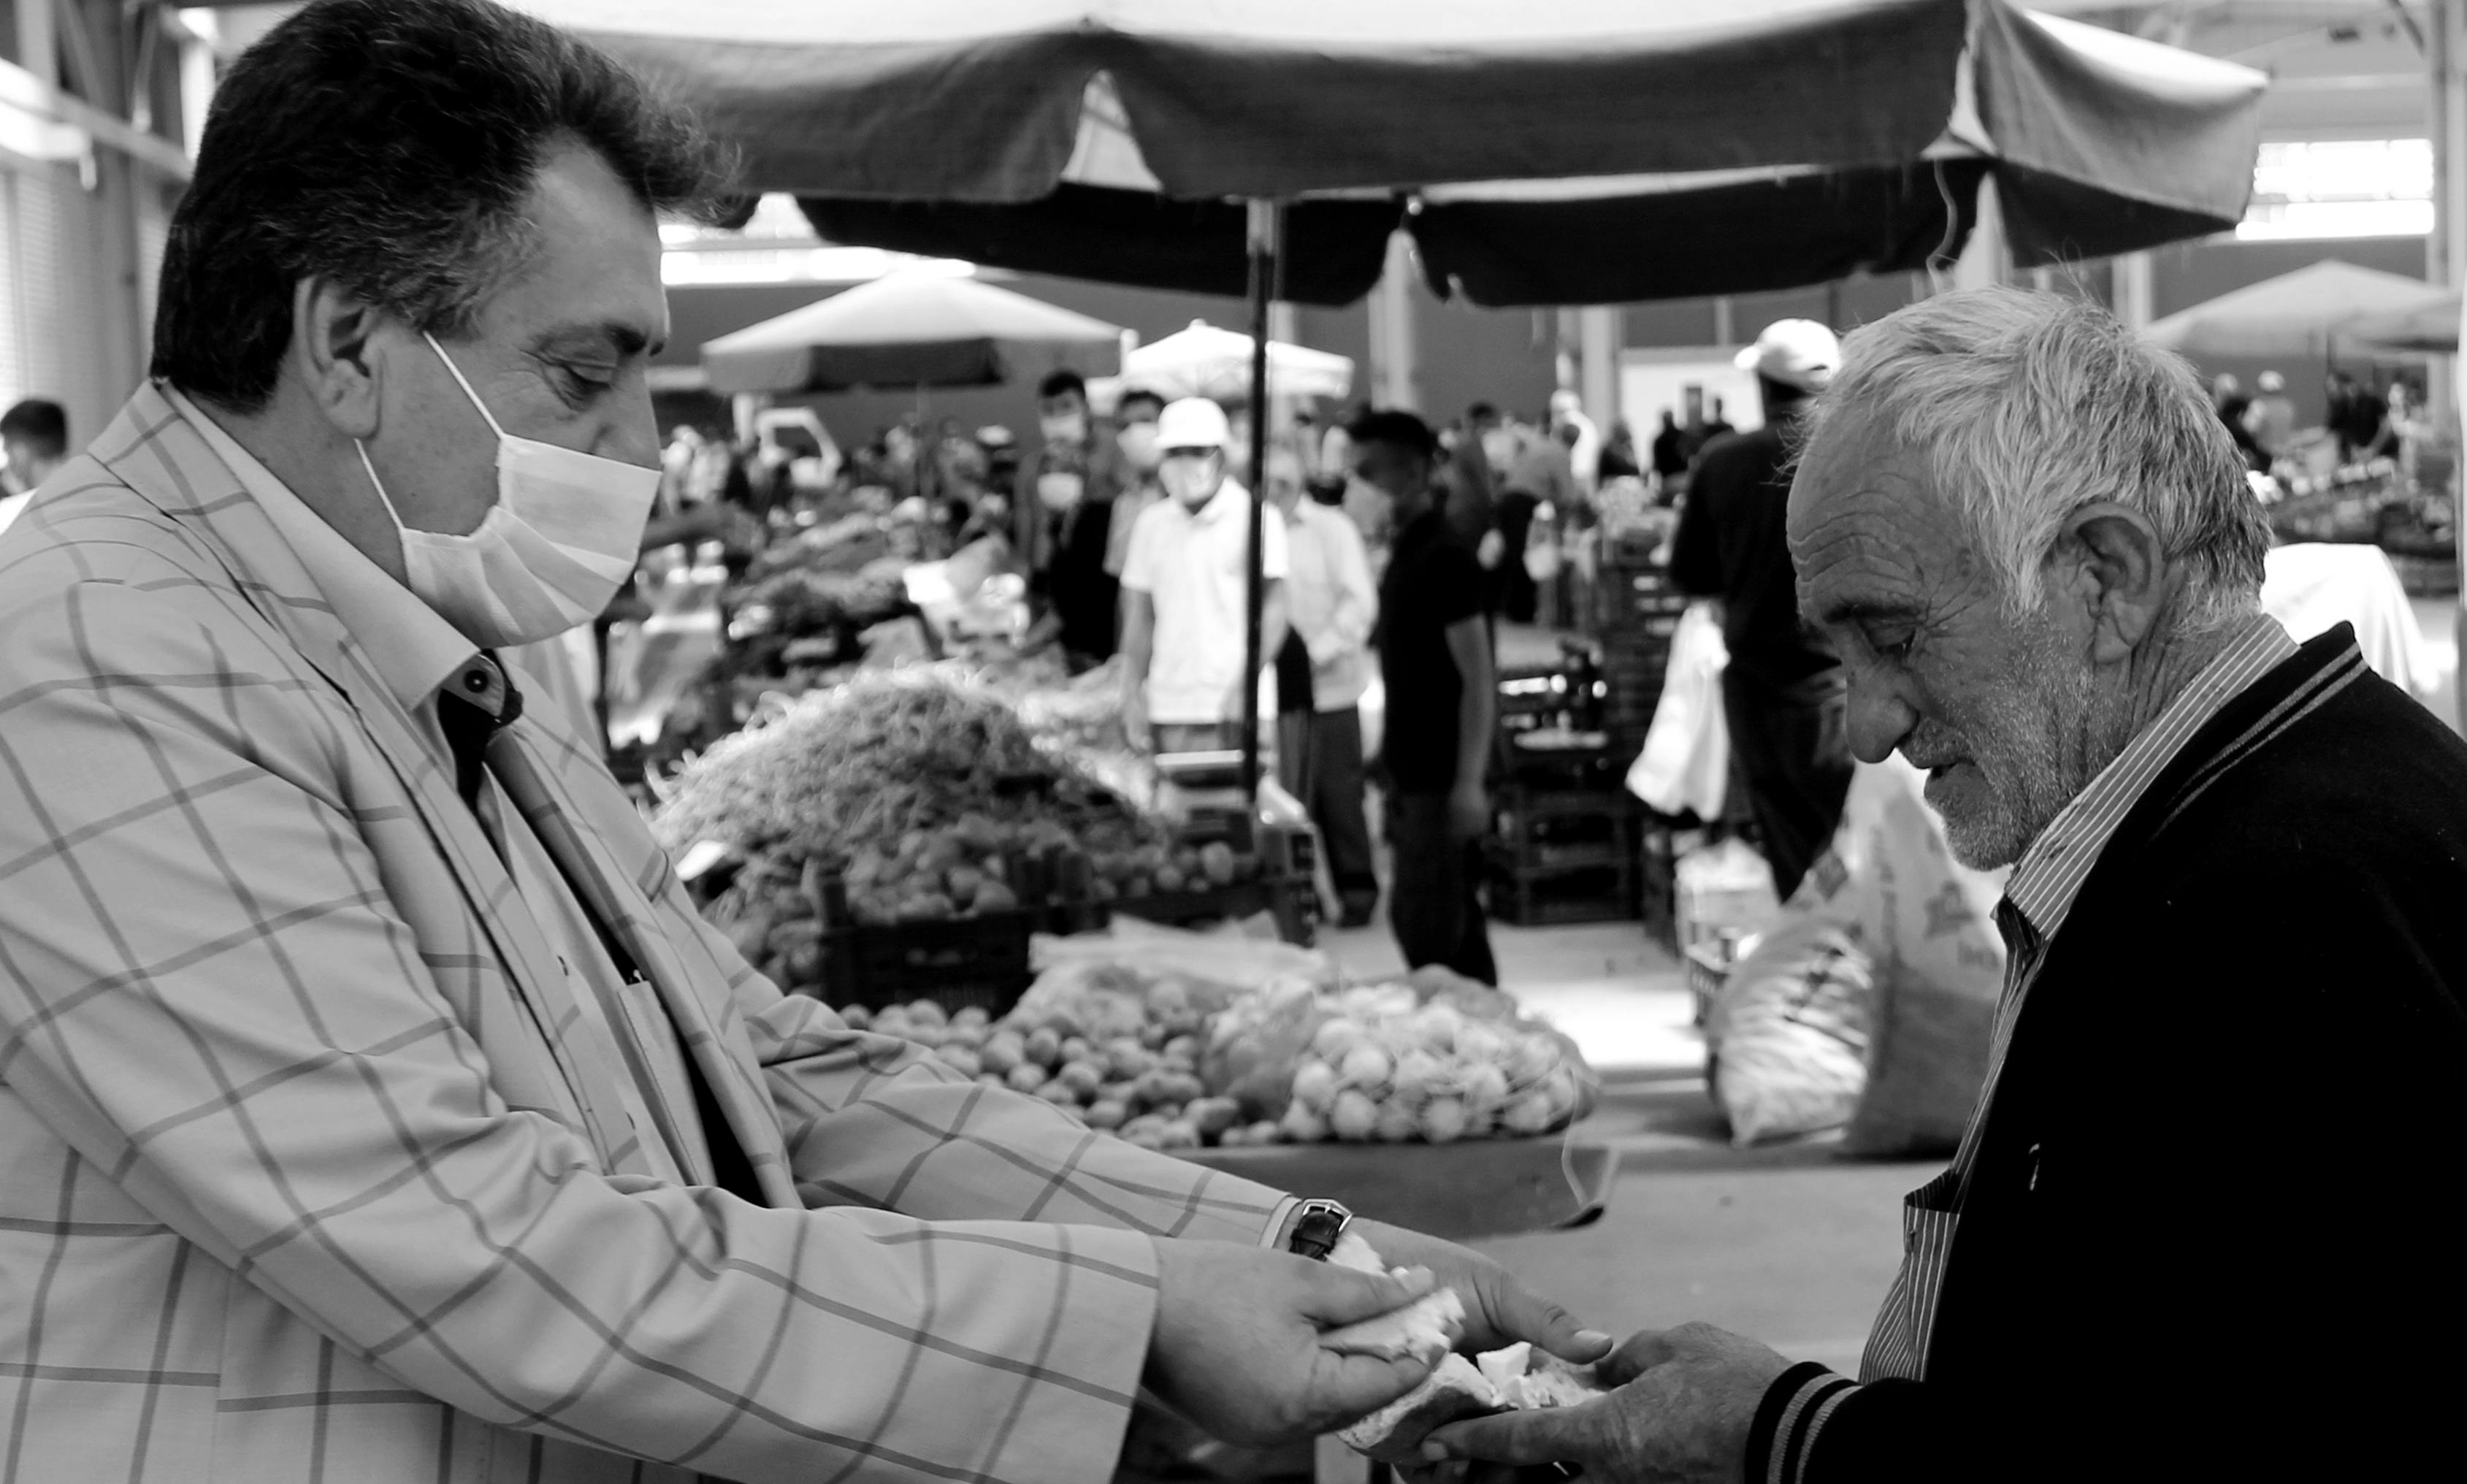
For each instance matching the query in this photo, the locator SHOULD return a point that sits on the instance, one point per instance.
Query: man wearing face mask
(377, 1107)
(1186, 593)
(1062, 511)
(1135, 419)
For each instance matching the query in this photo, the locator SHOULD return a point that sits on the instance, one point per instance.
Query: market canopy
(2428, 329)
(909, 329)
(1204, 360)
(2309, 312)
(1642, 148)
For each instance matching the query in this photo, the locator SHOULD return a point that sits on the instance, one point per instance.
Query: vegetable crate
(980, 960)
(1563, 855)
(1291, 900)
(1565, 827)
(1663, 839)
(1548, 895)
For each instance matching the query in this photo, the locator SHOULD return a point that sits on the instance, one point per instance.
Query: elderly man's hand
(1685, 1400)
(1499, 1310)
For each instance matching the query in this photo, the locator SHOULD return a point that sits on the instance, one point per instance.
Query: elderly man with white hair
(2240, 878)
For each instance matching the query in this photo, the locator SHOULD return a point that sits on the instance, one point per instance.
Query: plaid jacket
(298, 1177)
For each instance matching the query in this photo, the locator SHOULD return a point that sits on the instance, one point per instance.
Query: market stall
(1559, 153)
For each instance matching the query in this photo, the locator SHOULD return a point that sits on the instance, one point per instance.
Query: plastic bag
(1787, 1041)
(1686, 765)
(1929, 923)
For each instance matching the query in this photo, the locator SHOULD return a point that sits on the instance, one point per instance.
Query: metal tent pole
(1263, 220)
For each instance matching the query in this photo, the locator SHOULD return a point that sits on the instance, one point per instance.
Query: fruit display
(1171, 1060)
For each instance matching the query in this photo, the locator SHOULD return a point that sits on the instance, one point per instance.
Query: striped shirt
(2037, 900)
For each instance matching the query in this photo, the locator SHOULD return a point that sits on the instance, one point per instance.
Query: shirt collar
(2051, 872)
(1229, 496)
(412, 646)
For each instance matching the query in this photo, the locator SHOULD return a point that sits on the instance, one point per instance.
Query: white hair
(2030, 406)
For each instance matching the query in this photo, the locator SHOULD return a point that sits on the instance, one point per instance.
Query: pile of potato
(1139, 1056)
(1144, 1086)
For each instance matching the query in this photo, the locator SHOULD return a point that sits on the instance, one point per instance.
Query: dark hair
(43, 425)
(1138, 395)
(388, 146)
(1480, 411)
(1397, 428)
(1060, 380)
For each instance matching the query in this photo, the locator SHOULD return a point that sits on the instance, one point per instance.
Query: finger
(1335, 1295)
(1638, 1353)
(1546, 1435)
(1346, 1388)
(1517, 1312)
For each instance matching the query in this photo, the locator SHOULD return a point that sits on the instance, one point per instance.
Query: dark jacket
(2209, 1232)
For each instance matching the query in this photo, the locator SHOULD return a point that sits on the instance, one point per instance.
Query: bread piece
(1424, 1330)
(1393, 1434)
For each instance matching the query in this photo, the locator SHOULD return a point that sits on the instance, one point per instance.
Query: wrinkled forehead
(1869, 529)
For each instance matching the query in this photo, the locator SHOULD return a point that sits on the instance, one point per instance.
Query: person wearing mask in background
(2272, 419)
(1585, 448)
(1186, 593)
(1469, 471)
(1783, 692)
(2357, 413)
(1541, 484)
(36, 433)
(1062, 513)
(1331, 607)
(1618, 461)
(1434, 658)
(2235, 410)
(1135, 441)
(379, 1108)
(1670, 458)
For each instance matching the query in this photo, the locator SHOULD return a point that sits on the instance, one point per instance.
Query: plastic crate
(1541, 896)
(957, 962)
(1291, 900)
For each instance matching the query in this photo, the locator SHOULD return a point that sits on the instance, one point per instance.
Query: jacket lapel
(524, 758)
(152, 448)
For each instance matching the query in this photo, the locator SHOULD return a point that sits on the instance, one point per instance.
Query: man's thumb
(1345, 1295)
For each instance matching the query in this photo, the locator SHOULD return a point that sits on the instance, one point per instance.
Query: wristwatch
(1318, 1224)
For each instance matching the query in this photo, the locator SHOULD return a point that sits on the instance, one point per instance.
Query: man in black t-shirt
(1782, 693)
(1442, 696)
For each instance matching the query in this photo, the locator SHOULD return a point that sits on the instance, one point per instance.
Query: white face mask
(562, 539)
(1138, 441)
(1193, 480)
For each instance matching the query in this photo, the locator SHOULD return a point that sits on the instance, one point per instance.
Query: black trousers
(1792, 747)
(1319, 760)
(1434, 889)
(1515, 595)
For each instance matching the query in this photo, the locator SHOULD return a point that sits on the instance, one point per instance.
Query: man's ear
(333, 353)
(2120, 573)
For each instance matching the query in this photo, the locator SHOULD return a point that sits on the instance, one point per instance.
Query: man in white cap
(1186, 591)
(1783, 692)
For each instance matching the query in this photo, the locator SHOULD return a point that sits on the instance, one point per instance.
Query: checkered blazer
(300, 1177)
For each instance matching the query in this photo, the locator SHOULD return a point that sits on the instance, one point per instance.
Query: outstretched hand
(1499, 1310)
(1684, 1402)
(1237, 1344)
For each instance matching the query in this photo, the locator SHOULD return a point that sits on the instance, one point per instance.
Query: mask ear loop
(383, 497)
(457, 371)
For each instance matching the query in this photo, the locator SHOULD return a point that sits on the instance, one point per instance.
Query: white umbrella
(909, 329)
(1206, 361)
(2307, 312)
